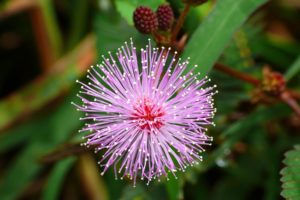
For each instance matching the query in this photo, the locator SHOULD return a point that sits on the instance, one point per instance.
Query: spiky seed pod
(145, 20)
(273, 82)
(165, 17)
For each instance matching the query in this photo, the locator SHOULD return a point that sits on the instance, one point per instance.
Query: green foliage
(277, 55)
(79, 14)
(211, 37)
(55, 181)
(43, 90)
(290, 175)
(137, 193)
(194, 16)
(174, 188)
(43, 135)
(245, 157)
(238, 130)
(109, 39)
(54, 34)
(293, 70)
(3, 4)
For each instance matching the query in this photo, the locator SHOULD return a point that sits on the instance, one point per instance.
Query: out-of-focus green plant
(291, 174)
(39, 144)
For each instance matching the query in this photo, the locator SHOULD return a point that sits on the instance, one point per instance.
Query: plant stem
(16, 6)
(295, 94)
(45, 49)
(287, 96)
(63, 152)
(240, 75)
(288, 99)
(180, 22)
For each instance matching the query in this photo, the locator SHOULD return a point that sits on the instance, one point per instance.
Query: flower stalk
(180, 22)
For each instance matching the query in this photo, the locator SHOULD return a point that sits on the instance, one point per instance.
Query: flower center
(147, 115)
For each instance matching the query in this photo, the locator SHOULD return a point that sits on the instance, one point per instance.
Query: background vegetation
(249, 48)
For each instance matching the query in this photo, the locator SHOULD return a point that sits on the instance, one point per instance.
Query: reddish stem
(47, 56)
(180, 22)
(288, 99)
(288, 96)
(294, 94)
(237, 74)
(65, 151)
(16, 6)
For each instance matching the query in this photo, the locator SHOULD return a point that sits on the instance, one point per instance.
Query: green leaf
(17, 136)
(20, 172)
(211, 37)
(195, 15)
(243, 126)
(291, 175)
(108, 26)
(48, 86)
(137, 193)
(48, 132)
(51, 25)
(257, 117)
(127, 7)
(79, 16)
(277, 55)
(293, 70)
(54, 183)
(175, 188)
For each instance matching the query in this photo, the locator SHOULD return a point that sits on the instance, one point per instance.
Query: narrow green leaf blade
(293, 70)
(211, 37)
(56, 178)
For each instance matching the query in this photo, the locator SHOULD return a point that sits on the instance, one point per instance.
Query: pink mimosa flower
(146, 113)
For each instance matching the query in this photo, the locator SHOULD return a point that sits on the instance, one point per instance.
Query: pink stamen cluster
(146, 113)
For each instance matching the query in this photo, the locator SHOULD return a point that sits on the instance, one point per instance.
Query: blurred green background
(45, 45)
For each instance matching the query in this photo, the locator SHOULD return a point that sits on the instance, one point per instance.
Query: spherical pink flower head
(146, 113)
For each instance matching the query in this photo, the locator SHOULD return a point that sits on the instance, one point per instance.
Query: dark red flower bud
(165, 17)
(145, 20)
